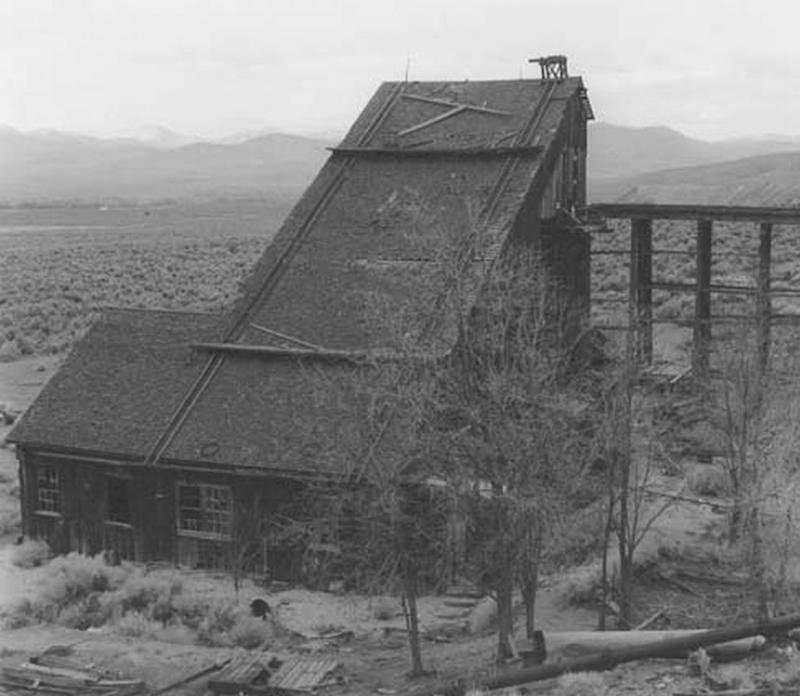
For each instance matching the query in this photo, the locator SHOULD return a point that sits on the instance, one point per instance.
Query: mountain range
(654, 164)
(661, 165)
(154, 165)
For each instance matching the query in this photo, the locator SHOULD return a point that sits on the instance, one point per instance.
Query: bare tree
(517, 432)
(756, 413)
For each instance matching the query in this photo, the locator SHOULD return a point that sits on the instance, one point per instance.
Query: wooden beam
(452, 104)
(783, 216)
(286, 337)
(431, 121)
(641, 278)
(763, 300)
(702, 301)
(418, 152)
(324, 353)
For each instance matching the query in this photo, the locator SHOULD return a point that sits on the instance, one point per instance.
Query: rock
(386, 608)
(336, 587)
(482, 616)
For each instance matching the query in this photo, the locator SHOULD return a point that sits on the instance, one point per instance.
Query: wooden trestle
(640, 296)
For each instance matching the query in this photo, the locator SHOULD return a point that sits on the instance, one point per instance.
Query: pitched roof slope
(393, 180)
(120, 384)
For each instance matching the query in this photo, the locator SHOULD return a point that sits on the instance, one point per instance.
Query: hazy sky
(710, 68)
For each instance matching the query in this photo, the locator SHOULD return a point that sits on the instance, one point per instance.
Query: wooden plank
(466, 603)
(432, 121)
(420, 152)
(451, 104)
(302, 674)
(190, 678)
(641, 287)
(732, 213)
(238, 675)
(702, 301)
(763, 300)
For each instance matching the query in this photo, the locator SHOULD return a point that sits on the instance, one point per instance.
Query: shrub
(582, 684)
(708, 480)
(582, 585)
(31, 553)
(384, 608)
(82, 592)
(250, 632)
(10, 520)
(152, 595)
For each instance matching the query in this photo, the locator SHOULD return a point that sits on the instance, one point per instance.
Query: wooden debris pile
(55, 674)
(273, 676)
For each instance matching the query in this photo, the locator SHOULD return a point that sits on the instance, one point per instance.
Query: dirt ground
(375, 657)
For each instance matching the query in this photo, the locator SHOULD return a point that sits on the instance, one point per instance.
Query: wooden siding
(83, 522)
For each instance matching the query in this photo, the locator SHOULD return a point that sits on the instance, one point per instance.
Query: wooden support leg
(763, 303)
(641, 293)
(702, 301)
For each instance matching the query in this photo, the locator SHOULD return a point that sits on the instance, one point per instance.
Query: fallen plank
(301, 674)
(650, 620)
(190, 678)
(82, 675)
(16, 688)
(239, 674)
(460, 603)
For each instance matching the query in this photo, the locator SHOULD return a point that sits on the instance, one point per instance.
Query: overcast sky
(710, 68)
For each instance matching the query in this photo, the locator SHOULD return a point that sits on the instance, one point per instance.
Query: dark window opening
(48, 493)
(118, 500)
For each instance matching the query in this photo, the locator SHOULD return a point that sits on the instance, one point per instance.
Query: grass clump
(31, 553)
(581, 586)
(708, 480)
(83, 592)
(582, 684)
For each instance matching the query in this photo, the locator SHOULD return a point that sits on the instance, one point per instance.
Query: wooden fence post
(763, 302)
(641, 292)
(702, 301)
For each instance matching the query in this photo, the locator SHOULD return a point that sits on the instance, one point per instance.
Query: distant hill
(155, 163)
(50, 165)
(772, 179)
(618, 155)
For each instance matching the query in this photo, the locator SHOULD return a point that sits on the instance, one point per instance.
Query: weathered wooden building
(160, 425)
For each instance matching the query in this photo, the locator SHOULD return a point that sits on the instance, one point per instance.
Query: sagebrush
(84, 592)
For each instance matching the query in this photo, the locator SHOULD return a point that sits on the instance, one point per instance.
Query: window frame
(52, 504)
(206, 493)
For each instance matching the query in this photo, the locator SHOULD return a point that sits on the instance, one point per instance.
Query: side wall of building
(560, 185)
(195, 519)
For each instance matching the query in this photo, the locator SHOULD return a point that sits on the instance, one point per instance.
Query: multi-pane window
(205, 510)
(48, 495)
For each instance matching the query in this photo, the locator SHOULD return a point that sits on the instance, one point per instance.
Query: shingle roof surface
(118, 387)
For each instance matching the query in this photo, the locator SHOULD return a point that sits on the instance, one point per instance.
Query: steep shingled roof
(455, 158)
(120, 384)
(308, 283)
